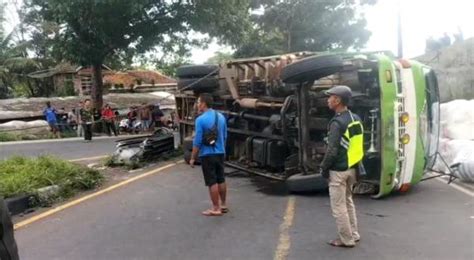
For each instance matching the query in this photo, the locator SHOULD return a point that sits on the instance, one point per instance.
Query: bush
(7, 137)
(21, 175)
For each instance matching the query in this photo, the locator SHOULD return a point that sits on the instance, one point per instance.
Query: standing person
(51, 117)
(132, 116)
(87, 119)
(63, 121)
(72, 119)
(345, 151)
(174, 120)
(8, 248)
(108, 116)
(117, 121)
(209, 144)
(80, 129)
(157, 114)
(145, 116)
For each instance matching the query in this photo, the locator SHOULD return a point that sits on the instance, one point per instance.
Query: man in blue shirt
(211, 155)
(50, 113)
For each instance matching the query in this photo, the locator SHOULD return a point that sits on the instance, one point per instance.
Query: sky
(420, 20)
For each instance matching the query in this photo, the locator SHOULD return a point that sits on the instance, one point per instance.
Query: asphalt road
(73, 148)
(158, 217)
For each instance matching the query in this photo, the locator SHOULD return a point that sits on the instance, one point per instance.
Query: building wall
(61, 82)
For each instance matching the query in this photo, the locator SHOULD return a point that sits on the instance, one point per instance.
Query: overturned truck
(277, 114)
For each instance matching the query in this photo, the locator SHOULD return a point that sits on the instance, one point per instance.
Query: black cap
(344, 92)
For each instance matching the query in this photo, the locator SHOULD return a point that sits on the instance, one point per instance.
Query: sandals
(212, 213)
(338, 243)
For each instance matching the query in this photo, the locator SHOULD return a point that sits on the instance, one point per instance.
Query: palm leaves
(14, 65)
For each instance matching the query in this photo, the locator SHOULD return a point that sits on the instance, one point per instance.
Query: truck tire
(196, 71)
(304, 183)
(204, 85)
(188, 143)
(311, 68)
(187, 158)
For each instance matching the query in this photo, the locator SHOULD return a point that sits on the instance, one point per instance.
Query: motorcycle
(125, 126)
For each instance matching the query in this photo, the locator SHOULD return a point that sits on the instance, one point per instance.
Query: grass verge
(13, 136)
(22, 175)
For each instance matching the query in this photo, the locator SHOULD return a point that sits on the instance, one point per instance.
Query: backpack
(210, 136)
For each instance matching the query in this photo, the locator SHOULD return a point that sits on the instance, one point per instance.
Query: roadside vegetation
(11, 137)
(21, 175)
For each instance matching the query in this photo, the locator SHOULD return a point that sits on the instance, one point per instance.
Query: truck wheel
(311, 68)
(305, 183)
(187, 158)
(196, 71)
(204, 85)
(188, 143)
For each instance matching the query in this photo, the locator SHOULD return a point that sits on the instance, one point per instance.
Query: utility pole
(400, 39)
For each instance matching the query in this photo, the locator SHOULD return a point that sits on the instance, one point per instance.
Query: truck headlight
(405, 139)
(404, 117)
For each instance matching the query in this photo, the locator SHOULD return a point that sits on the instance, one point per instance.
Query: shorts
(54, 126)
(213, 169)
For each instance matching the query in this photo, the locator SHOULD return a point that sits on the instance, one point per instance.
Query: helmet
(344, 92)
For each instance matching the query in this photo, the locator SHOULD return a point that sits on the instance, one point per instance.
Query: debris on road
(135, 150)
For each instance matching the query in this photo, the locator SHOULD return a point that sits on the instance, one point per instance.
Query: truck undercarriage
(278, 129)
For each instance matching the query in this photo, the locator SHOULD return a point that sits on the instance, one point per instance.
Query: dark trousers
(8, 248)
(87, 131)
(110, 127)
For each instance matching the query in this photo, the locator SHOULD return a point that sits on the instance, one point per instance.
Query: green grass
(22, 175)
(8, 137)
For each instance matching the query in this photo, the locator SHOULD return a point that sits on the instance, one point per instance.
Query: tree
(306, 25)
(219, 57)
(4, 89)
(14, 64)
(16, 61)
(437, 44)
(93, 31)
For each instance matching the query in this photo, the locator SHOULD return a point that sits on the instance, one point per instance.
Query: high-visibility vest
(353, 142)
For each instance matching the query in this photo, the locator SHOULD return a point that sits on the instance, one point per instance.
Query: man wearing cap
(343, 154)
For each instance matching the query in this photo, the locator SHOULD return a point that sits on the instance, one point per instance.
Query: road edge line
(90, 196)
(457, 187)
(89, 158)
(67, 139)
(284, 242)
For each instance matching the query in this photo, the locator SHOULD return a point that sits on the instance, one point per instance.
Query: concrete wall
(454, 67)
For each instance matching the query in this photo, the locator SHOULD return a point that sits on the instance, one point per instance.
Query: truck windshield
(432, 115)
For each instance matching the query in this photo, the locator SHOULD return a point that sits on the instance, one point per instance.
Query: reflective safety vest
(353, 141)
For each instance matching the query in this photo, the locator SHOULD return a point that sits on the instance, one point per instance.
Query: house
(83, 79)
(69, 80)
(139, 81)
